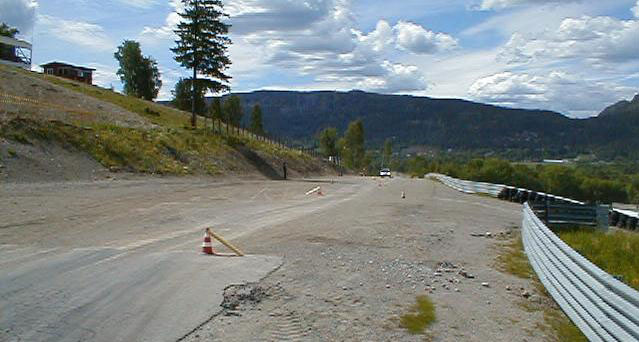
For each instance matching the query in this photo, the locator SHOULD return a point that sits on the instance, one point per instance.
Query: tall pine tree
(256, 120)
(202, 45)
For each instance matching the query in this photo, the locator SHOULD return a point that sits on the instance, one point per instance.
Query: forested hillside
(450, 123)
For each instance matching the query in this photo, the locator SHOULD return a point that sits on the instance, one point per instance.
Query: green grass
(155, 113)
(137, 150)
(162, 151)
(614, 252)
(173, 147)
(513, 260)
(421, 315)
(172, 118)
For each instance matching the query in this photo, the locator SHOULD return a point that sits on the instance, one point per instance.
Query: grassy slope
(169, 148)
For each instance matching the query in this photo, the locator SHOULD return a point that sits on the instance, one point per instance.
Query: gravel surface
(351, 271)
(113, 258)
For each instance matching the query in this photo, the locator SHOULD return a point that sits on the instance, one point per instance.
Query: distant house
(69, 71)
(15, 52)
(554, 161)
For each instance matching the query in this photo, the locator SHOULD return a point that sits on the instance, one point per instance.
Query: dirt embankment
(56, 130)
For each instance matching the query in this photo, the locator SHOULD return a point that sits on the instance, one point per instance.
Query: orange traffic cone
(207, 248)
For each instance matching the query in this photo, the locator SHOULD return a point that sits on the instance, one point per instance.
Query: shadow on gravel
(258, 162)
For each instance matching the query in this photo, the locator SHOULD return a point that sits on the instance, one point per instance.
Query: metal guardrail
(603, 308)
(617, 217)
(468, 186)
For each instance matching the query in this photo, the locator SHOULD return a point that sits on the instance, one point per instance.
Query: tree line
(350, 148)
(201, 47)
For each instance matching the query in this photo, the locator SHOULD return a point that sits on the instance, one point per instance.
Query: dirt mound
(54, 129)
(29, 163)
(28, 95)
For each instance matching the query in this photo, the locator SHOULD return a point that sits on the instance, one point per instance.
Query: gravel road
(120, 261)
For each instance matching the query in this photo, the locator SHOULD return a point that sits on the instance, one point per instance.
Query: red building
(69, 71)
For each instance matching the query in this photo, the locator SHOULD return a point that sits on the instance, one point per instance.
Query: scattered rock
(535, 299)
(485, 284)
(526, 294)
(466, 274)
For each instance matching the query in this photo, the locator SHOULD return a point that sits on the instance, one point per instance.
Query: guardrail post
(602, 216)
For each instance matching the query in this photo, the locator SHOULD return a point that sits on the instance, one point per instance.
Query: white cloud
(574, 95)
(140, 3)
(105, 75)
(76, 32)
(19, 14)
(155, 35)
(378, 39)
(330, 48)
(635, 10)
(318, 39)
(598, 39)
(415, 38)
(397, 78)
(501, 4)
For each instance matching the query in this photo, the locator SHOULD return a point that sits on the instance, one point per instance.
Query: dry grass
(155, 113)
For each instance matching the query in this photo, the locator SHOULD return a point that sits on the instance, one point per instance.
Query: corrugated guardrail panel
(468, 186)
(603, 308)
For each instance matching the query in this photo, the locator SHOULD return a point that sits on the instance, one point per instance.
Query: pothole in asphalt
(243, 296)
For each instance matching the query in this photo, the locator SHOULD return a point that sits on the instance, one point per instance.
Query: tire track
(288, 327)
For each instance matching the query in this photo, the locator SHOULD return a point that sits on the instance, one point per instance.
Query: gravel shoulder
(80, 257)
(351, 271)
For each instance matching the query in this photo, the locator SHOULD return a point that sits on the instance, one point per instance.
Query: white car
(385, 172)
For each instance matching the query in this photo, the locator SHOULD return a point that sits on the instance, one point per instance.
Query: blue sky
(572, 56)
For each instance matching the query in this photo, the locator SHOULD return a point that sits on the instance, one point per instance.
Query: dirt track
(352, 260)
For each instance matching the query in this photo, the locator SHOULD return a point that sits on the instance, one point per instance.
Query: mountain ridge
(447, 124)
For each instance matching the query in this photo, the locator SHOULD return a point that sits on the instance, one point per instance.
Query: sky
(571, 56)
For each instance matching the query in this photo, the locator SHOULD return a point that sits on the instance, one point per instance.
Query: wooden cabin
(72, 72)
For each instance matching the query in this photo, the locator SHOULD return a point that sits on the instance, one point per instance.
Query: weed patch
(513, 260)
(421, 315)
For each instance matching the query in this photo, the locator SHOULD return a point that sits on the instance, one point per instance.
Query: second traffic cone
(207, 248)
